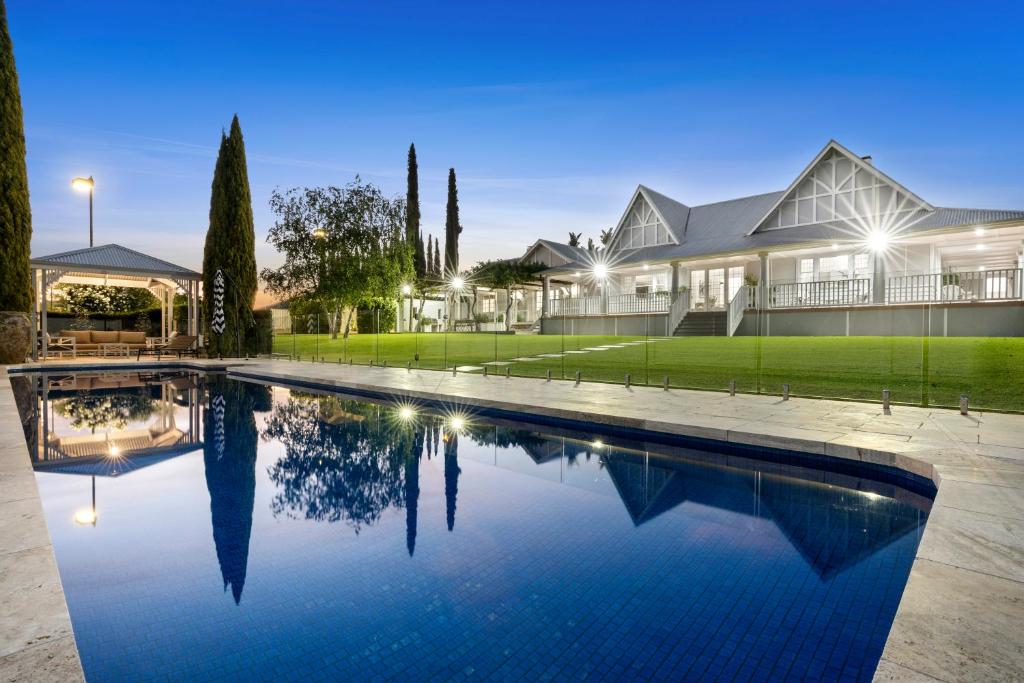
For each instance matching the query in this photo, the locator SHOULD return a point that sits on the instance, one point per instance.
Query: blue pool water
(210, 529)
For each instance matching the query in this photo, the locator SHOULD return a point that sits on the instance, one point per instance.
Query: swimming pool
(208, 528)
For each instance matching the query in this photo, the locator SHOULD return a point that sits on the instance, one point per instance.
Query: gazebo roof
(113, 258)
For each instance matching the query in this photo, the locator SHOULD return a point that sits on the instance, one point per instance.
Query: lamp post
(86, 185)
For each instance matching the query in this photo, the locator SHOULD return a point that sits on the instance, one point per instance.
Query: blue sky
(550, 112)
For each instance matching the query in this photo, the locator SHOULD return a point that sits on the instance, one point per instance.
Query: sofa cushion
(104, 336)
(131, 337)
(80, 336)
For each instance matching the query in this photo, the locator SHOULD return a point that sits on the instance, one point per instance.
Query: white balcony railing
(1001, 284)
(655, 302)
(820, 294)
(678, 309)
(585, 305)
(746, 297)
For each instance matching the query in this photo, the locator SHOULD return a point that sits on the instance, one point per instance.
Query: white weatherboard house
(844, 250)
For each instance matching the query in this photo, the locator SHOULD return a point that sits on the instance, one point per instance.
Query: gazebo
(115, 266)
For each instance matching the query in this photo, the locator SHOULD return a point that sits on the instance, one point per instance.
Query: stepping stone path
(499, 362)
(577, 351)
(468, 368)
(526, 359)
(597, 348)
(550, 355)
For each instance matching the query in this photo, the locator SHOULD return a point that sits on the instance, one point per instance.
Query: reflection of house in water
(108, 424)
(833, 527)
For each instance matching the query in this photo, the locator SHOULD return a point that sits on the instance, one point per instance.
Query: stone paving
(961, 613)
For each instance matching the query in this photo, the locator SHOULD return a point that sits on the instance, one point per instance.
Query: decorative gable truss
(839, 187)
(641, 226)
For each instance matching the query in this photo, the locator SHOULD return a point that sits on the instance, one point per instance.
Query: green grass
(933, 371)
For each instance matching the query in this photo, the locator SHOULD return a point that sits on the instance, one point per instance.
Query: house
(844, 250)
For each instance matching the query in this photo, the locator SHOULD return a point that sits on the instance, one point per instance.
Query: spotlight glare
(458, 283)
(456, 424)
(114, 451)
(979, 231)
(407, 289)
(597, 443)
(878, 241)
(406, 413)
(600, 271)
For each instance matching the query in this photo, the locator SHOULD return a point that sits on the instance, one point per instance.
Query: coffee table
(114, 349)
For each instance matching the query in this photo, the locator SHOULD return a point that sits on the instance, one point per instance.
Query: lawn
(934, 371)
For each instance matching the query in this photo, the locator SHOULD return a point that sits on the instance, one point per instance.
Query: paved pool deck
(961, 615)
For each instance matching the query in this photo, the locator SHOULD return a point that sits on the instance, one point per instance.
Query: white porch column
(674, 287)
(878, 280)
(545, 305)
(725, 286)
(188, 307)
(765, 277)
(35, 314)
(42, 303)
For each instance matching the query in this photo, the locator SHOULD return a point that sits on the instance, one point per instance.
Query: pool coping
(960, 612)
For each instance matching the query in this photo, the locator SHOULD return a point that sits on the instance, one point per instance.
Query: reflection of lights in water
(85, 516)
(871, 496)
(115, 452)
(456, 424)
(406, 413)
(597, 443)
(979, 231)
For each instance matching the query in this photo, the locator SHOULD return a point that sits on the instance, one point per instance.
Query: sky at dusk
(551, 113)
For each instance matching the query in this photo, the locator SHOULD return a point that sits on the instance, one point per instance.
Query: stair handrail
(678, 310)
(737, 307)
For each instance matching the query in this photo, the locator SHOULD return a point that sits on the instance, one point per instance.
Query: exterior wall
(615, 325)
(955, 320)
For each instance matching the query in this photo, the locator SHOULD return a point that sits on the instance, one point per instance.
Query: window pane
(788, 213)
(823, 208)
(823, 177)
(865, 203)
(844, 205)
(805, 211)
(865, 178)
(886, 199)
(844, 171)
(650, 234)
(805, 188)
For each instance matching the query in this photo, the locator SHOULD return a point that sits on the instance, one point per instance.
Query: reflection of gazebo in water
(115, 266)
(113, 451)
(832, 528)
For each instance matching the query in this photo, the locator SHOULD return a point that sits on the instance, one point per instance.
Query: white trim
(859, 164)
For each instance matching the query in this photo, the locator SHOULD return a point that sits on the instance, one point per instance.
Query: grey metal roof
(722, 228)
(563, 250)
(113, 258)
(675, 213)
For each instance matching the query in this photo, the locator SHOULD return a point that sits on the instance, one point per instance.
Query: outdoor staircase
(703, 324)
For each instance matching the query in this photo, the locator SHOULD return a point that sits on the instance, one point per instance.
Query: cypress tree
(421, 258)
(452, 229)
(438, 272)
(430, 257)
(412, 214)
(15, 213)
(231, 245)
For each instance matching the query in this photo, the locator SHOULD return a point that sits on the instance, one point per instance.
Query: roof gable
(839, 186)
(563, 253)
(655, 218)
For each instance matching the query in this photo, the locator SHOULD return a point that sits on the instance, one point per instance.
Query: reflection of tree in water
(231, 474)
(105, 410)
(451, 476)
(344, 460)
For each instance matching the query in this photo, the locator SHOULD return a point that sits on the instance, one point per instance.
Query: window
(736, 280)
(641, 228)
(806, 270)
(487, 304)
(836, 189)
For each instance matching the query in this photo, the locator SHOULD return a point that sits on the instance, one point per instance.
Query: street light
(86, 185)
(878, 241)
(407, 289)
(320, 233)
(458, 283)
(600, 271)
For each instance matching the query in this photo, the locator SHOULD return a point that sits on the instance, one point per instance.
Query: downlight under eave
(651, 219)
(840, 188)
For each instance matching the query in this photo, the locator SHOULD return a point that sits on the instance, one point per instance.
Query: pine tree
(438, 271)
(412, 215)
(15, 213)
(452, 228)
(231, 245)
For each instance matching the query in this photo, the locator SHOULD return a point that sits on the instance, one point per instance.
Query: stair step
(703, 324)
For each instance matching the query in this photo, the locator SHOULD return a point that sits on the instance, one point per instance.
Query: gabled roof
(113, 258)
(564, 250)
(858, 162)
(672, 214)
